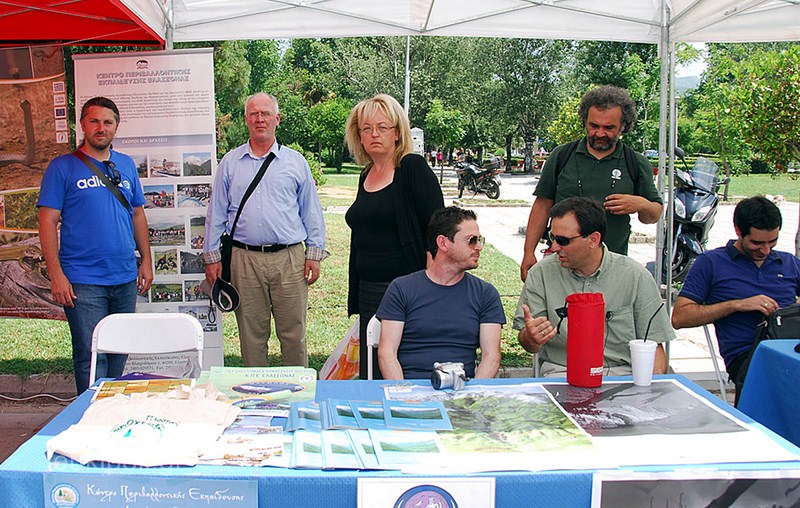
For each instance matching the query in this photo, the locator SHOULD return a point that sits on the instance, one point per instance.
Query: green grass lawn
(32, 346)
(787, 185)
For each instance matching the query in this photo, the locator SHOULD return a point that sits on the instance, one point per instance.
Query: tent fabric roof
(618, 20)
(96, 22)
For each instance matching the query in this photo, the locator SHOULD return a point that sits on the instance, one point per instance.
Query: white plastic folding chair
(146, 333)
(712, 351)
(373, 338)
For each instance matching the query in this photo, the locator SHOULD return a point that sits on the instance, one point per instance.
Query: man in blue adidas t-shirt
(442, 313)
(94, 273)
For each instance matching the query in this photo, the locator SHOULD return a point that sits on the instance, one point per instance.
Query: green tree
(566, 126)
(327, 124)
(714, 108)
(770, 104)
(528, 72)
(294, 126)
(264, 60)
(444, 128)
(231, 88)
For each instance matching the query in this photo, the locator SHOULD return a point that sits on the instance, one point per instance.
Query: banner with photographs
(167, 124)
(34, 130)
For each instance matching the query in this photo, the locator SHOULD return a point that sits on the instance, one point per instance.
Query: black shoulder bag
(104, 178)
(784, 323)
(226, 240)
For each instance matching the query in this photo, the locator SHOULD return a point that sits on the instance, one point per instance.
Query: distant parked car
(651, 153)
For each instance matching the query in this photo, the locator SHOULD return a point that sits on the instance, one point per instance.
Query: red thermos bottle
(586, 314)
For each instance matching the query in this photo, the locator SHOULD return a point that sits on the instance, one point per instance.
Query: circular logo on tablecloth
(65, 495)
(426, 496)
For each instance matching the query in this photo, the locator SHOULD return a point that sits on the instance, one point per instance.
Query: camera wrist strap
(103, 178)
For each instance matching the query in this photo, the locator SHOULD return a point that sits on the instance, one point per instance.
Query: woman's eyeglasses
(380, 129)
(562, 240)
(112, 173)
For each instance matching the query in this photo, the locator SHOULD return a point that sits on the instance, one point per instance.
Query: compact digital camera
(448, 375)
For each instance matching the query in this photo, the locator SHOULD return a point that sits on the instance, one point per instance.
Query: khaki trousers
(271, 284)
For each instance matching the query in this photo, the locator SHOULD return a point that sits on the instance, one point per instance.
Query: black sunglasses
(112, 173)
(472, 240)
(562, 240)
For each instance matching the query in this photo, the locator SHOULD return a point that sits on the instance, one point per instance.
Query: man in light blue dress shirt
(270, 265)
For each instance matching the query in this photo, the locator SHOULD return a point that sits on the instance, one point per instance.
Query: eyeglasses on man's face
(381, 129)
(562, 240)
(472, 240)
(256, 115)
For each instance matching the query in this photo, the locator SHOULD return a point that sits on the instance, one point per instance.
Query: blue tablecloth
(22, 474)
(771, 392)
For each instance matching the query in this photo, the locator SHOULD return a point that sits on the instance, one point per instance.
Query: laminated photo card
(403, 447)
(307, 450)
(338, 452)
(305, 415)
(416, 415)
(368, 414)
(341, 415)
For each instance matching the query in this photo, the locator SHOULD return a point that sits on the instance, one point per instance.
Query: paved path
(689, 354)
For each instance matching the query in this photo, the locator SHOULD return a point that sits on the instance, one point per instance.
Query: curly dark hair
(606, 97)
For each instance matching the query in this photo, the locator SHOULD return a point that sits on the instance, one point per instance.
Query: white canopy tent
(661, 22)
(615, 20)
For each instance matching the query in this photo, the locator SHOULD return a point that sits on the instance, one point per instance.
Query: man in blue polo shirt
(737, 286)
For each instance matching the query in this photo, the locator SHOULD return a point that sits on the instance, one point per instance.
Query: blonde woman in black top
(397, 194)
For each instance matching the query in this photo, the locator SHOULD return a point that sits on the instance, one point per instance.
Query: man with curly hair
(597, 166)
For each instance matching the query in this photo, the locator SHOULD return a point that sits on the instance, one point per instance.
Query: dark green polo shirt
(586, 176)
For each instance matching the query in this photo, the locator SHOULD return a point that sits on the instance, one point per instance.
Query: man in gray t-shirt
(442, 313)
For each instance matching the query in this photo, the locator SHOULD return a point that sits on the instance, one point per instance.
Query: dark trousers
(737, 371)
(92, 304)
(369, 298)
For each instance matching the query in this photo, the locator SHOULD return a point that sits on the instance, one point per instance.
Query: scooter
(485, 180)
(695, 205)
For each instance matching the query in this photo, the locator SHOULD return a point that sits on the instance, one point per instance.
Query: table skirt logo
(426, 496)
(65, 495)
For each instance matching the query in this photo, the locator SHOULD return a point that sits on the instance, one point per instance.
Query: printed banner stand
(167, 125)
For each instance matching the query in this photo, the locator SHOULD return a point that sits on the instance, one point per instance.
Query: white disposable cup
(643, 355)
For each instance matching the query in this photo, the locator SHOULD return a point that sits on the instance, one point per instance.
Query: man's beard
(603, 144)
(98, 146)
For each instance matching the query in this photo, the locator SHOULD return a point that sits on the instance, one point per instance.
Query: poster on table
(167, 125)
(558, 426)
(733, 489)
(34, 130)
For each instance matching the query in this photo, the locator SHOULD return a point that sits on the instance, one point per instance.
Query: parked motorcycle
(484, 180)
(695, 205)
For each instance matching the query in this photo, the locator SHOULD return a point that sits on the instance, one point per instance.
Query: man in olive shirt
(597, 168)
(581, 263)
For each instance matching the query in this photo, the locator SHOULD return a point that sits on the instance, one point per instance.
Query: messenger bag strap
(252, 187)
(103, 178)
